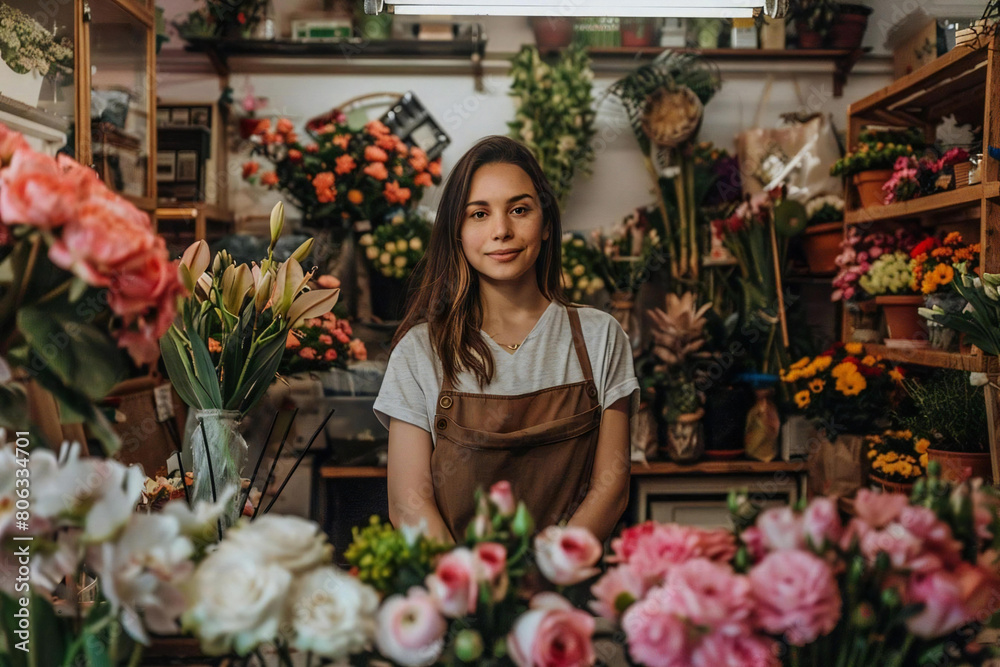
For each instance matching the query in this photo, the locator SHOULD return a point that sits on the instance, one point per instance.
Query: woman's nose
(502, 227)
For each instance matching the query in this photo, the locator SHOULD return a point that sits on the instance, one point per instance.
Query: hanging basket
(672, 117)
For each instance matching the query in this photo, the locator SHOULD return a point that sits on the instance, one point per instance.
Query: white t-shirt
(546, 358)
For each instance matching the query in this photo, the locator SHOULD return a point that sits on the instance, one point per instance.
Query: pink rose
(719, 650)
(652, 549)
(493, 558)
(655, 637)
(410, 630)
(618, 588)
(455, 584)
(875, 252)
(781, 528)
(140, 282)
(878, 509)
(33, 191)
(854, 532)
(142, 341)
(923, 523)
(503, 498)
(11, 142)
(941, 595)
(821, 522)
(567, 555)
(796, 595)
(753, 539)
(717, 545)
(708, 595)
(552, 634)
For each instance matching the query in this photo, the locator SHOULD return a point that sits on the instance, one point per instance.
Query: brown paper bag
(836, 468)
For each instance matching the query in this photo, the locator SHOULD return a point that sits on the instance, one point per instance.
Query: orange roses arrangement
(343, 175)
(82, 274)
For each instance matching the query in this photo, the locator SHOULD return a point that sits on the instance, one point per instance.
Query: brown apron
(543, 443)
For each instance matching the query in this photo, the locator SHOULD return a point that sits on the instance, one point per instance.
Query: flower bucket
(822, 245)
(942, 337)
(552, 32)
(686, 438)
(869, 186)
(849, 29)
(24, 88)
(864, 321)
(890, 487)
(808, 39)
(902, 319)
(961, 466)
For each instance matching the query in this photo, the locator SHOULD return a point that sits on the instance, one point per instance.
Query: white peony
(416, 244)
(400, 261)
(371, 252)
(385, 258)
(235, 602)
(332, 613)
(366, 240)
(291, 542)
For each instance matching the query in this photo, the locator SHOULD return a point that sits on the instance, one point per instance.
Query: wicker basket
(672, 117)
(890, 487)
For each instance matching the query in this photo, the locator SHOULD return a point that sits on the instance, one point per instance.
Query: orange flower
(326, 339)
(323, 180)
(271, 138)
(295, 155)
(377, 128)
(345, 165)
(398, 170)
(423, 179)
(953, 238)
(387, 142)
(377, 171)
(330, 355)
(355, 196)
(312, 148)
(375, 154)
(326, 195)
(270, 178)
(341, 141)
(284, 126)
(308, 353)
(395, 194)
(435, 168)
(292, 342)
(214, 346)
(943, 274)
(418, 159)
(941, 252)
(291, 138)
(263, 125)
(401, 148)
(250, 168)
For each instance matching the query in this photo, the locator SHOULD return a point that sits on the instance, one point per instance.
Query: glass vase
(218, 456)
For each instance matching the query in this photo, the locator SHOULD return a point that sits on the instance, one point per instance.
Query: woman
(494, 375)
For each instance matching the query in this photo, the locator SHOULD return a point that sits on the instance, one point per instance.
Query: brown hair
(447, 292)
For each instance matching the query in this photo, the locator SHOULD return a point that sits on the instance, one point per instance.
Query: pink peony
(753, 539)
(943, 612)
(141, 282)
(781, 529)
(615, 591)
(719, 650)
(454, 586)
(35, 191)
(821, 522)
(797, 596)
(708, 595)
(567, 555)
(878, 509)
(410, 630)
(717, 545)
(652, 549)
(502, 496)
(10, 143)
(655, 637)
(552, 634)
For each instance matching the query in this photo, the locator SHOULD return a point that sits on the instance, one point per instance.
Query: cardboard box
(914, 42)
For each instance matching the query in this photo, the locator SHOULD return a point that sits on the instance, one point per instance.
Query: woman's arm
(411, 486)
(609, 482)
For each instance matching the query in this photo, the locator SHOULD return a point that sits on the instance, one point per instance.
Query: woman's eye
(479, 215)
(522, 209)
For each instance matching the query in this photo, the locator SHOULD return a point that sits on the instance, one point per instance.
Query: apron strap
(580, 344)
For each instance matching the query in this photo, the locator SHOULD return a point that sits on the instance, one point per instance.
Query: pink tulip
(619, 586)
(503, 498)
(797, 595)
(878, 509)
(567, 555)
(781, 528)
(454, 586)
(720, 650)
(552, 634)
(410, 630)
(821, 522)
(941, 595)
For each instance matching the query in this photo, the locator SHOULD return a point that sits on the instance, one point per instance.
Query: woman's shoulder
(594, 319)
(416, 338)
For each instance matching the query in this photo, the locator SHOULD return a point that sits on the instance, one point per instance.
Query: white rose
(385, 258)
(291, 542)
(390, 247)
(235, 602)
(582, 283)
(371, 252)
(579, 243)
(366, 240)
(332, 613)
(416, 244)
(578, 270)
(597, 284)
(402, 245)
(400, 261)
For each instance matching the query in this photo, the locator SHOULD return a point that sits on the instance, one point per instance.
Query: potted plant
(870, 163)
(934, 265)
(896, 458)
(392, 250)
(638, 32)
(848, 28)
(580, 268)
(888, 280)
(552, 32)
(950, 411)
(824, 232)
(251, 105)
(980, 324)
(677, 334)
(813, 20)
(28, 52)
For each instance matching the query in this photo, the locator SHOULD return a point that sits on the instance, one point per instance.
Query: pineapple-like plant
(678, 333)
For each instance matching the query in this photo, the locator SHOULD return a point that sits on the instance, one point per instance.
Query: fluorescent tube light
(628, 11)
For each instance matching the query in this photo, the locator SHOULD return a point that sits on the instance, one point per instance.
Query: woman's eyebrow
(509, 201)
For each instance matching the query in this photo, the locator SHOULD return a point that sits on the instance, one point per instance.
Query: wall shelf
(977, 363)
(936, 203)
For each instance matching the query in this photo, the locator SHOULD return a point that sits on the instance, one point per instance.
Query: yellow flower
(793, 376)
(801, 363)
(842, 369)
(943, 274)
(896, 375)
(891, 456)
(822, 363)
(923, 461)
(851, 385)
(802, 399)
(906, 435)
(854, 348)
(872, 453)
(806, 372)
(922, 445)
(869, 360)
(816, 386)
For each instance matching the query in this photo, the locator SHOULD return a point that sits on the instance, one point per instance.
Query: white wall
(620, 181)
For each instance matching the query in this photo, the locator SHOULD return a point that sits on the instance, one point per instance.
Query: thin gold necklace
(513, 347)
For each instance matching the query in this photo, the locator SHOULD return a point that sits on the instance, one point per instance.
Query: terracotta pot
(890, 487)
(247, 127)
(808, 39)
(849, 29)
(959, 466)
(552, 32)
(822, 245)
(869, 186)
(637, 32)
(901, 317)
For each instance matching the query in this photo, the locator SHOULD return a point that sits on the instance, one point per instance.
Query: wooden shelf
(980, 363)
(943, 201)
(930, 91)
(199, 213)
(638, 470)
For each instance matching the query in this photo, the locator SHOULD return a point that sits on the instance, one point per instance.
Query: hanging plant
(555, 113)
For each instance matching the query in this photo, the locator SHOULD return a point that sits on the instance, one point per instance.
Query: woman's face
(502, 227)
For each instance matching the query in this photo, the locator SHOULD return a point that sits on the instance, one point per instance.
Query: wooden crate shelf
(979, 363)
(942, 201)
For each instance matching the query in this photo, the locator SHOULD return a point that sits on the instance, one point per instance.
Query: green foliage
(878, 150)
(945, 408)
(555, 114)
(394, 248)
(387, 561)
(981, 323)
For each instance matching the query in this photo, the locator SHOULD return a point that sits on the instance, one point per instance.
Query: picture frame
(162, 117)
(166, 166)
(180, 116)
(201, 116)
(187, 166)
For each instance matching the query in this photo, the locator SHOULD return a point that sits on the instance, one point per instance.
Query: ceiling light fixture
(580, 8)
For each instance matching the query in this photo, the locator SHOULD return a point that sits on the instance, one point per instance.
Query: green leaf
(205, 370)
(265, 364)
(13, 406)
(181, 371)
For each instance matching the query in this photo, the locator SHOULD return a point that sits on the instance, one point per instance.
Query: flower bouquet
(896, 459)
(823, 209)
(225, 348)
(858, 251)
(82, 274)
(320, 344)
(344, 176)
(26, 46)
(580, 266)
(844, 390)
(889, 274)
(934, 265)
(980, 324)
(915, 178)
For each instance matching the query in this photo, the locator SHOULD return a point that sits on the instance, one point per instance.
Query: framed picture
(187, 166)
(180, 116)
(162, 117)
(201, 116)
(166, 166)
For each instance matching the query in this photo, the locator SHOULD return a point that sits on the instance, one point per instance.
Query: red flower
(924, 246)
(345, 165)
(395, 194)
(242, 18)
(269, 178)
(312, 148)
(284, 126)
(294, 155)
(852, 360)
(869, 371)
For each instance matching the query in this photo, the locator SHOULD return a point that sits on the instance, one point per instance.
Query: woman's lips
(505, 256)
